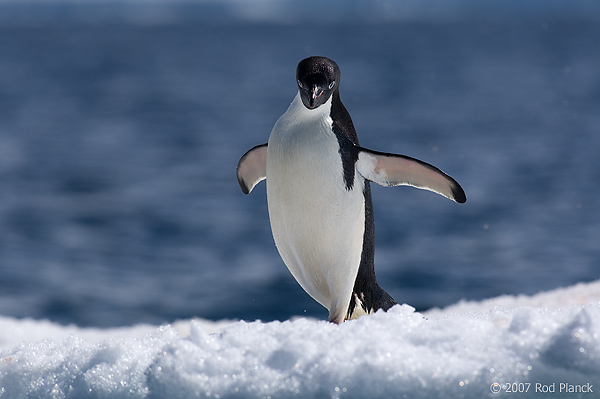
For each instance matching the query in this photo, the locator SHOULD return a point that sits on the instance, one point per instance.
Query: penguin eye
(300, 84)
(331, 85)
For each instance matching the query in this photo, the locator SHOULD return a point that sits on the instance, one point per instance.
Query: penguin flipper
(395, 170)
(252, 168)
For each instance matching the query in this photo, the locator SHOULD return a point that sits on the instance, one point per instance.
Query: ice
(547, 341)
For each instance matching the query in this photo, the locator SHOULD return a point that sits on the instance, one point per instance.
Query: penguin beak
(315, 93)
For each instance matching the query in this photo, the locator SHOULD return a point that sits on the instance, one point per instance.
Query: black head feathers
(317, 79)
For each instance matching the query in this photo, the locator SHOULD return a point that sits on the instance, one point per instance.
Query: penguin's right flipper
(396, 170)
(252, 168)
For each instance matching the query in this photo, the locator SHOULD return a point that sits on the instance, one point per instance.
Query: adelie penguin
(319, 197)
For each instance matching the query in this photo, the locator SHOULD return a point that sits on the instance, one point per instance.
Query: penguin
(319, 197)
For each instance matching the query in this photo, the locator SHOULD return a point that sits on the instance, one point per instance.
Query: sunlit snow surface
(550, 338)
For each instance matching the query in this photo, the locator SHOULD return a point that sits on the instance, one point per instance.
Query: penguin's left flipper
(395, 170)
(252, 168)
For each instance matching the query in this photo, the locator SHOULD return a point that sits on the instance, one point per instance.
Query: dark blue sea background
(121, 125)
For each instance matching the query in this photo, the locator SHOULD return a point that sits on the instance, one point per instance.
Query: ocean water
(119, 138)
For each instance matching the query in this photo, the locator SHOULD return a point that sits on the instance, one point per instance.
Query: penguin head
(317, 78)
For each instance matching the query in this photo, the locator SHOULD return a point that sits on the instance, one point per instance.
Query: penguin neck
(301, 113)
(341, 119)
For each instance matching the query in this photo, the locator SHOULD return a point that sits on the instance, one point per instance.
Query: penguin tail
(370, 301)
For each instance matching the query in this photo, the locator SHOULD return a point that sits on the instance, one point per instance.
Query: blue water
(119, 141)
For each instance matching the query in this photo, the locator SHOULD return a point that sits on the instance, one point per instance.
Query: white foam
(549, 338)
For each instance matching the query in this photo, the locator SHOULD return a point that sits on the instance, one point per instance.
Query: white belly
(317, 224)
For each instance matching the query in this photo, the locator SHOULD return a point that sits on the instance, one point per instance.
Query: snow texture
(550, 341)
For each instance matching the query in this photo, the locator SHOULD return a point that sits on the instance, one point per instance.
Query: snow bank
(457, 352)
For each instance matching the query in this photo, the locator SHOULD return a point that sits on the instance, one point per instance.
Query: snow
(549, 341)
